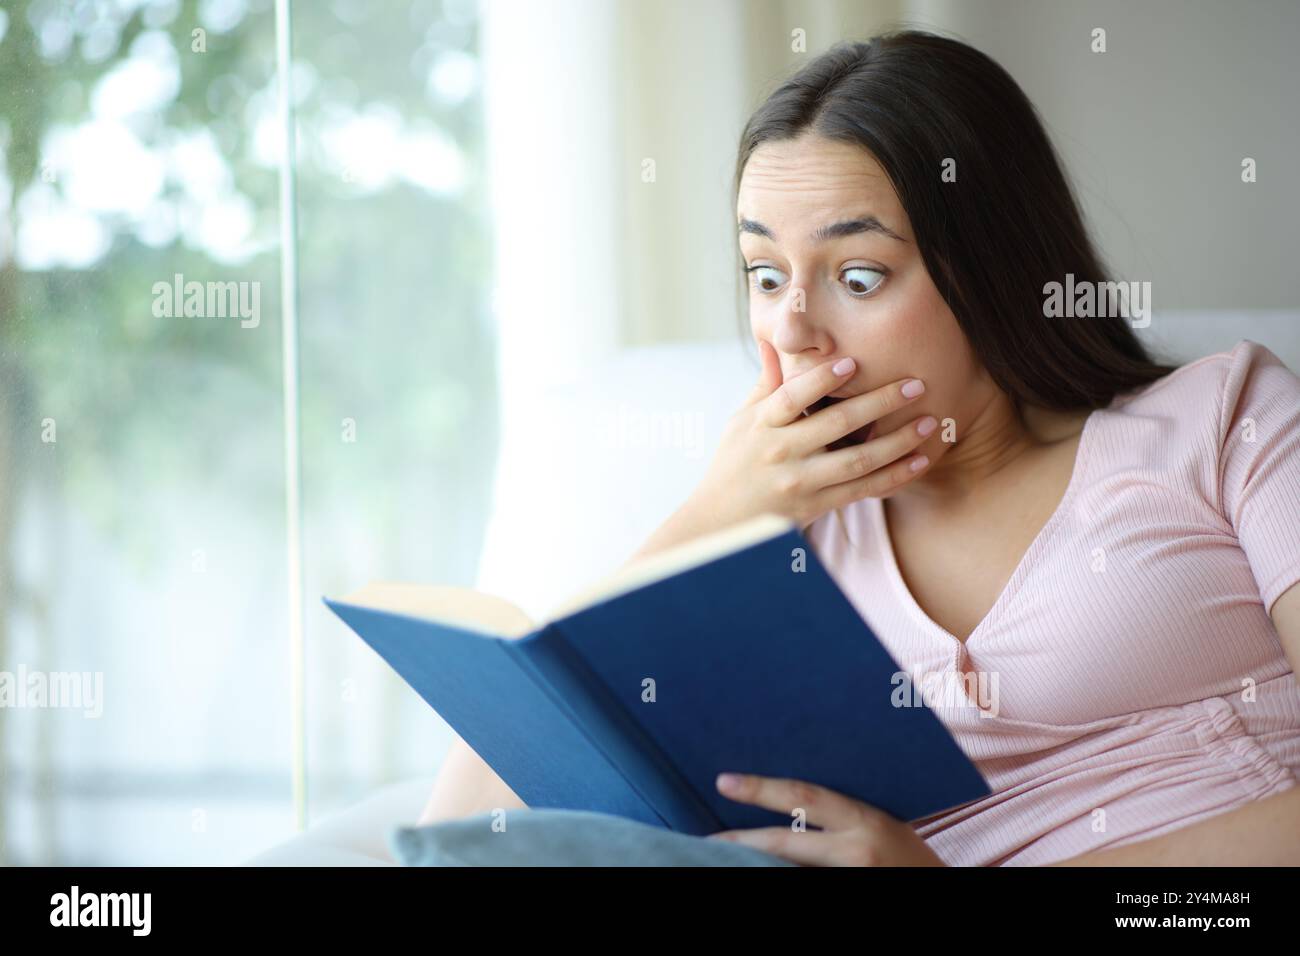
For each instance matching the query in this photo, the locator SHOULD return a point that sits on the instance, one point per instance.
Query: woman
(1002, 493)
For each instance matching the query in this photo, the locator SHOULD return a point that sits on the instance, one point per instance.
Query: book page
(460, 607)
(675, 560)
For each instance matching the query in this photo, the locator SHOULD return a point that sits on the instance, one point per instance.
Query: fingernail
(728, 781)
(919, 463)
(926, 425)
(843, 366)
(913, 388)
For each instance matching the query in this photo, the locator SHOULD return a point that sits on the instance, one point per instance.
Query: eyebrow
(849, 227)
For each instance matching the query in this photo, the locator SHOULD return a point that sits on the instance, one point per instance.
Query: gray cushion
(543, 837)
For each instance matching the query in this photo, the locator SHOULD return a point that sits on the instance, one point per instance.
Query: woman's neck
(997, 443)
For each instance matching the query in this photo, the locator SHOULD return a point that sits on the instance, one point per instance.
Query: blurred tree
(393, 257)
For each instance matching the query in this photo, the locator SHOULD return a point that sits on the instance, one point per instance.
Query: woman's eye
(757, 273)
(862, 281)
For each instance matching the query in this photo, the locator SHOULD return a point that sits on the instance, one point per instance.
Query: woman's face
(864, 287)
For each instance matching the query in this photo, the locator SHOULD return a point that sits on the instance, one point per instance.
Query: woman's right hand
(774, 458)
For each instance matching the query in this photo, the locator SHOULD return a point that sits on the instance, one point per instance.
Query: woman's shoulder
(1219, 385)
(1227, 422)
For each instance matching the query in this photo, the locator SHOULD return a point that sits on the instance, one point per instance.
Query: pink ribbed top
(1140, 683)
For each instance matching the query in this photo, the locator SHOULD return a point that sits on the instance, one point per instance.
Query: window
(142, 469)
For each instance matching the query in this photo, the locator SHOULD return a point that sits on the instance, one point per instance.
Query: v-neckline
(1009, 590)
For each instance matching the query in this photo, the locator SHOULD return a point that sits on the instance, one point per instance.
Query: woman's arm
(682, 525)
(1266, 833)
(466, 785)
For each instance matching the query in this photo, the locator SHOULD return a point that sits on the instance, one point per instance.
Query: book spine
(615, 732)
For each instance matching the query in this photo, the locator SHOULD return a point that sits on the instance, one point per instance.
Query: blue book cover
(735, 652)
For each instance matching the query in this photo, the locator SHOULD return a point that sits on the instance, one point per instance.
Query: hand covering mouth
(855, 437)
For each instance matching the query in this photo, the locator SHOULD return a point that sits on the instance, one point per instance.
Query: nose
(797, 330)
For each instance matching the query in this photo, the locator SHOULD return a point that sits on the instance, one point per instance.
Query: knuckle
(803, 793)
(879, 482)
(788, 483)
(786, 402)
(776, 454)
(893, 400)
(840, 419)
(867, 487)
(888, 478)
(782, 843)
(861, 463)
(872, 823)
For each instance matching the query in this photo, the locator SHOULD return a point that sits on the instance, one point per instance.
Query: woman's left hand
(853, 833)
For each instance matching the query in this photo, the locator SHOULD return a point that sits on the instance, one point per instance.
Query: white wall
(1153, 132)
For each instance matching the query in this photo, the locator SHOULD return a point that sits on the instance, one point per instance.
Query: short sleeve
(1260, 465)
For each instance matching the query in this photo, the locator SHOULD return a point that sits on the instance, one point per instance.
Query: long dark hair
(993, 238)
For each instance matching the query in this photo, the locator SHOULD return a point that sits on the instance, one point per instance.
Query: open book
(735, 651)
